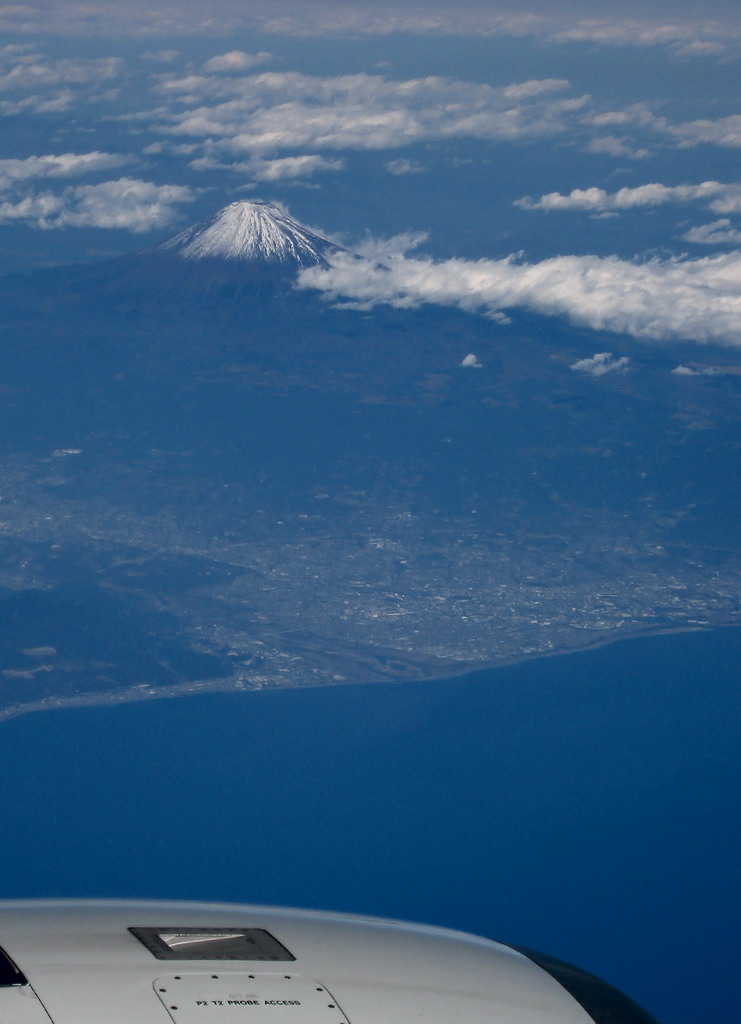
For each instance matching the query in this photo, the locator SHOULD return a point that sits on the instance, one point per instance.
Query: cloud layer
(716, 196)
(686, 33)
(600, 363)
(232, 115)
(236, 60)
(275, 111)
(718, 232)
(128, 203)
(692, 300)
(284, 168)
(31, 82)
(65, 165)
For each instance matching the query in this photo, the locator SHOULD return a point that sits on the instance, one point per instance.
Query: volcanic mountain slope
(219, 299)
(255, 232)
(213, 315)
(252, 250)
(222, 290)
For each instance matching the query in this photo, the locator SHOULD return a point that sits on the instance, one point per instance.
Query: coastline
(140, 693)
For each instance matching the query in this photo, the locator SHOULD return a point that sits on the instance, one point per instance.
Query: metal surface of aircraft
(116, 962)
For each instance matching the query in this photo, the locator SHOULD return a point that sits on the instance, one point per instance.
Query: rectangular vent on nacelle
(211, 944)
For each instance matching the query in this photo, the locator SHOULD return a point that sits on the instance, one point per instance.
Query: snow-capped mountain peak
(254, 232)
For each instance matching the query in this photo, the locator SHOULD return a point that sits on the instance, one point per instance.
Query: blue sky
(571, 159)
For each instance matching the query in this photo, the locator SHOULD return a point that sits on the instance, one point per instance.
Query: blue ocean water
(585, 805)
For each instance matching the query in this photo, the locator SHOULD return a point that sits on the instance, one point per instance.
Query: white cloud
(281, 169)
(140, 18)
(65, 165)
(684, 33)
(686, 37)
(29, 82)
(600, 363)
(31, 70)
(292, 167)
(160, 56)
(694, 300)
(689, 371)
(635, 114)
(717, 196)
(431, 19)
(613, 146)
(472, 361)
(724, 131)
(534, 87)
(639, 117)
(281, 110)
(701, 48)
(236, 60)
(277, 110)
(384, 250)
(128, 203)
(404, 166)
(719, 232)
(51, 103)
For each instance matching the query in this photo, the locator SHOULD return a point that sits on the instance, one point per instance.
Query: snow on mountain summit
(251, 231)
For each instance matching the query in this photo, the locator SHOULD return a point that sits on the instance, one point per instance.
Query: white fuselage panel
(86, 967)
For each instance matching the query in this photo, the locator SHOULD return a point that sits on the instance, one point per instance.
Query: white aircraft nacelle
(94, 962)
